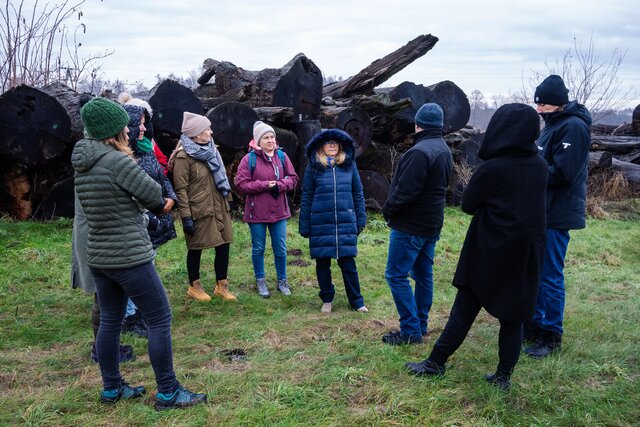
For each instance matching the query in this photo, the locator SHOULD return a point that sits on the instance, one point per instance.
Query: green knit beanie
(103, 118)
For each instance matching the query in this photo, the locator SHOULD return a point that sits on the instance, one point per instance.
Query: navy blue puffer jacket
(332, 210)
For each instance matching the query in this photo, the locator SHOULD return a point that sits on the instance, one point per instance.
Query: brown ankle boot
(197, 293)
(222, 290)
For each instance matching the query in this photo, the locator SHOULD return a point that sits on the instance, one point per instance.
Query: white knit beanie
(259, 130)
(194, 124)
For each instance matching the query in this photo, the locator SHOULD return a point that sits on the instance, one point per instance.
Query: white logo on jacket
(565, 145)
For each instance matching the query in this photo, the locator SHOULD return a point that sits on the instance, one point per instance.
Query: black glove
(153, 224)
(360, 228)
(274, 191)
(305, 235)
(188, 226)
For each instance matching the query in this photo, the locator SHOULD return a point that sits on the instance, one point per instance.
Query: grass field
(307, 368)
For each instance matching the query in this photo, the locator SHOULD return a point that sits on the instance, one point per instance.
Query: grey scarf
(211, 156)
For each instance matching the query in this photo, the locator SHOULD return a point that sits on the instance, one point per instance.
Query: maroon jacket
(259, 204)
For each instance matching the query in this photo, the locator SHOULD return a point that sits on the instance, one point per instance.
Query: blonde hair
(120, 142)
(323, 159)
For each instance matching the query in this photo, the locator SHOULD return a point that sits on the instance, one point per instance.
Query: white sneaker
(326, 307)
(362, 309)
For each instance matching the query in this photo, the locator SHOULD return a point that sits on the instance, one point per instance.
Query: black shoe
(398, 338)
(548, 344)
(136, 325)
(426, 367)
(125, 354)
(125, 391)
(531, 333)
(179, 399)
(501, 381)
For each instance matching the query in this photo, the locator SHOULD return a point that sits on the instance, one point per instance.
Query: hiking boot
(261, 287)
(197, 293)
(425, 368)
(548, 344)
(326, 307)
(283, 286)
(179, 399)
(398, 338)
(135, 325)
(125, 391)
(222, 290)
(499, 380)
(125, 355)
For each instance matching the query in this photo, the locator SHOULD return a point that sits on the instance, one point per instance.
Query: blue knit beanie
(552, 91)
(430, 116)
(103, 118)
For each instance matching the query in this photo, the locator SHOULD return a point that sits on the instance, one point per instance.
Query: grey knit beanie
(430, 116)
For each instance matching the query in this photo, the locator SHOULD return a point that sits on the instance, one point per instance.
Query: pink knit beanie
(259, 130)
(194, 124)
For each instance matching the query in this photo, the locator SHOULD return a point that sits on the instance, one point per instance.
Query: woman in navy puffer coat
(332, 213)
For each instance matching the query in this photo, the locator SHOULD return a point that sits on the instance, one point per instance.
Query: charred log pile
(38, 128)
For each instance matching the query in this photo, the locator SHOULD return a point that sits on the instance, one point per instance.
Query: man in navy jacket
(564, 144)
(415, 212)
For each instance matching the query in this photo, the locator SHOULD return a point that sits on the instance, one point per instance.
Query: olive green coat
(111, 188)
(199, 199)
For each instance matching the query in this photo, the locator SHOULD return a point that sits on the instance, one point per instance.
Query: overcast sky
(488, 45)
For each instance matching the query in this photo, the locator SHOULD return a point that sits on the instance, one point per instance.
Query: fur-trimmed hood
(338, 135)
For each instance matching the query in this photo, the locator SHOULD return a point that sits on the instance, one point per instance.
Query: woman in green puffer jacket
(113, 192)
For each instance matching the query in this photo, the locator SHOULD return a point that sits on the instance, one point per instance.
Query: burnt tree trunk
(454, 103)
(232, 124)
(635, 121)
(376, 189)
(381, 69)
(34, 127)
(169, 101)
(298, 84)
(353, 120)
(71, 101)
(447, 95)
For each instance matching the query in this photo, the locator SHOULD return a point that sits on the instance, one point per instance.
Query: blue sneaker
(125, 391)
(179, 399)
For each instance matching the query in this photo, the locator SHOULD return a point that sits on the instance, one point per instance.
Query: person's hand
(188, 226)
(305, 235)
(273, 184)
(168, 206)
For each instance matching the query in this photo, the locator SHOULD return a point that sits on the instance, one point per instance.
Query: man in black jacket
(564, 144)
(415, 212)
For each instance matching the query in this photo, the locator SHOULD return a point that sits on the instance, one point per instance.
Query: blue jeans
(349, 277)
(411, 254)
(278, 233)
(143, 286)
(131, 307)
(549, 312)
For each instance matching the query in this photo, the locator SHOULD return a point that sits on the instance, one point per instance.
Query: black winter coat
(502, 255)
(564, 144)
(416, 199)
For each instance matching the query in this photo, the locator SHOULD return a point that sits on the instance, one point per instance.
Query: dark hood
(338, 135)
(571, 109)
(512, 131)
(135, 117)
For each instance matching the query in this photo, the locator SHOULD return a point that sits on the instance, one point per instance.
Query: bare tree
(592, 79)
(35, 48)
(477, 103)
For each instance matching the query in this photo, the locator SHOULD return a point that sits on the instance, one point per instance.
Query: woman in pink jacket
(264, 176)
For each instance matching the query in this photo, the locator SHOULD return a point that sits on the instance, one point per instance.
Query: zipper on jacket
(335, 207)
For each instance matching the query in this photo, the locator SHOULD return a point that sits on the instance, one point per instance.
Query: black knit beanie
(552, 91)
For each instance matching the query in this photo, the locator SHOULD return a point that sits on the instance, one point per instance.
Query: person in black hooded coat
(501, 259)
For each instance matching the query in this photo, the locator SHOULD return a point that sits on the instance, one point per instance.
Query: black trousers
(220, 263)
(463, 313)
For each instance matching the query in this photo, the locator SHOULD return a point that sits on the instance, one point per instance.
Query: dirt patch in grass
(299, 263)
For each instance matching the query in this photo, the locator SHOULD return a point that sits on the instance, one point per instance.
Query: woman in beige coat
(203, 189)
